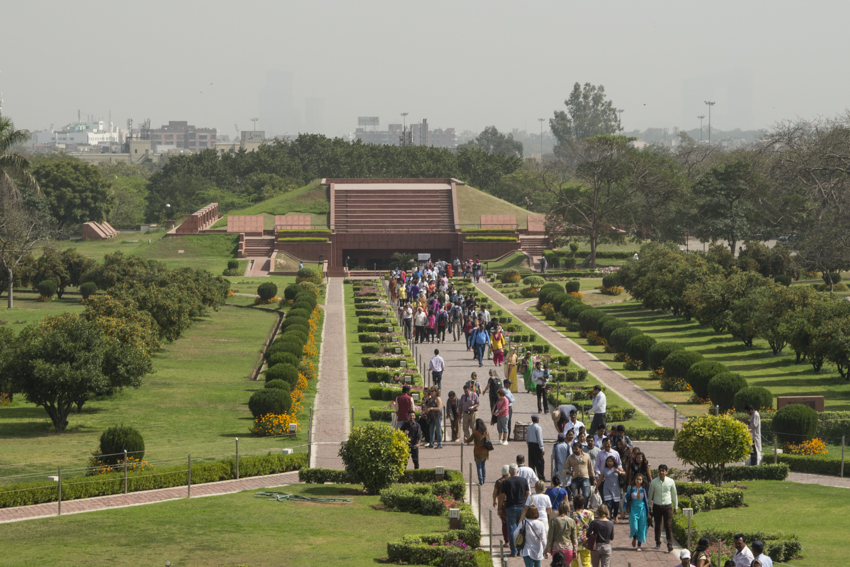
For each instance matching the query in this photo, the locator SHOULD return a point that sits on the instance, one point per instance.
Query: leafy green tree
(183, 191)
(712, 300)
(814, 328)
(376, 455)
(76, 265)
(771, 312)
(588, 114)
(7, 355)
(492, 141)
(482, 169)
(823, 252)
(525, 188)
(14, 168)
(62, 361)
(128, 210)
(712, 442)
(22, 229)
(75, 192)
(124, 322)
(49, 266)
(402, 261)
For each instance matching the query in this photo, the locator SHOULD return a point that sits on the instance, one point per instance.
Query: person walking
(754, 425)
(540, 377)
(603, 528)
(468, 330)
(497, 345)
(511, 369)
(414, 435)
(580, 468)
(525, 368)
(499, 500)
(404, 406)
(557, 493)
(700, 557)
(582, 517)
(479, 438)
(536, 452)
(500, 412)
(456, 321)
(536, 533)
(420, 319)
(637, 507)
(606, 452)
(431, 327)
(665, 504)
(469, 407)
(407, 321)
(454, 412)
(480, 340)
(437, 365)
(638, 466)
(608, 485)
(598, 409)
(511, 400)
(743, 556)
(515, 492)
(434, 407)
(563, 535)
(758, 551)
(539, 500)
(526, 473)
(494, 384)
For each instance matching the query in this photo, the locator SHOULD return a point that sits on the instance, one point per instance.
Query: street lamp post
(710, 103)
(620, 118)
(404, 128)
(701, 116)
(541, 138)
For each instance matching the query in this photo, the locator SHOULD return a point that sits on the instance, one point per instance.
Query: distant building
(418, 134)
(248, 141)
(179, 134)
(80, 136)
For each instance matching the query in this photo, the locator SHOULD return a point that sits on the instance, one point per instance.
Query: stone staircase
(533, 245)
(395, 210)
(259, 246)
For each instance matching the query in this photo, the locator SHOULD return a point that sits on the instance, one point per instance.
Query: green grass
(516, 260)
(812, 512)
(311, 199)
(471, 203)
(27, 310)
(195, 402)
(779, 374)
(222, 530)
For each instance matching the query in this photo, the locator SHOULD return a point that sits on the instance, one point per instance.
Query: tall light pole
(254, 120)
(701, 116)
(541, 138)
(620, 119)
(710, 103)
(404, 128)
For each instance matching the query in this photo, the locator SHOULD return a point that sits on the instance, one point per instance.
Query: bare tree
(21, 230)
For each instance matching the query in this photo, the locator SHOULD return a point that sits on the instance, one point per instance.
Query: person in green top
(526, 367)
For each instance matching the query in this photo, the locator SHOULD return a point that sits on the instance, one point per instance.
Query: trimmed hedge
(283, 358)
(279, 384)
(795, 423)
(638, 349)
(814, 464)
(678, 362)
(755, 396)
(382, 393)
(380, 413)
(651, 434)
(304, 239)
(723, 387)
(700, 374)
(269, 401)
(576, 310)
(621, 337)
(611, 325)
(588, 319)
(778, 546)
(304, 231)
(737, 473)
(492, 239)
(659, 351)
(286, 372)
(572, 286)
(170, 477)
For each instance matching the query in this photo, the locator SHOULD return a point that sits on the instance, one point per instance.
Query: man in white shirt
(526, 473)
(754, 425)
(437, 366)
(598, 408)
(486, 315)
(603, 455)
(534, 440)
(743, 556)
(600, 435)
(540, 378)
(574, 422)
(758, 552)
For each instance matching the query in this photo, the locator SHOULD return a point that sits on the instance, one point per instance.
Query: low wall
(306, 250)
(488, 250)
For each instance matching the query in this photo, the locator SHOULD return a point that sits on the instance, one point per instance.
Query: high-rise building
(418, 134)
(314, 115)
(278, 115)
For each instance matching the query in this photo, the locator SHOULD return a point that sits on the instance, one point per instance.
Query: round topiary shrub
(795, 423)
(266, 290)
(285, 372)
(611, 325)
(294, 337)
(573, 286)
(533, 281)
(283, 358)
(267, 401)
(290, 291)
(314, 289)
(558, 299)
(285, 346)
(835, 277)
(291, 321)
(118, 438)
(299, 328)
(638, 349)
(233, 264)
(755, 396)
(308, 275)
(47, 288)
(659, 351)
(588, 319)
(723, 387)
(700, 374)
(545, 295)
(510, 276)
(567, 304)
(304, 306)
(303, 313)
(551, 285)
(783, 279)
(279, 384)
(577, 310)
(678, 362)
(306, 300)
(611, 280)
(376, 455)
(88, 289)
(620, 338)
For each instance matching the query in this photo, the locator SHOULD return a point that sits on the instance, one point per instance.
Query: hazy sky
(461, 64)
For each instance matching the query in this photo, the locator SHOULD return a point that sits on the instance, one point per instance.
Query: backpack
(443, 318)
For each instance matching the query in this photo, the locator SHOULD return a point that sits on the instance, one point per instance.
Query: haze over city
(460, 65)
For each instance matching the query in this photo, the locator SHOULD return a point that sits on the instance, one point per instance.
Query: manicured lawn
(27, 310)
(757, 364)
(195, 402)
(471, 203)
(309, 200)
(815, 514)
(241, 284)
(516, 260)
(234, 529)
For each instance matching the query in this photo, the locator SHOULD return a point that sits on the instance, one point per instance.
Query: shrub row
(113, 483)
(491, 239)
(418, 550)
(736, 473)
(651, 434)
(383, 414)
(304, 239)
(814, 464)
(384, 393)
(778, 546)
(386, 362)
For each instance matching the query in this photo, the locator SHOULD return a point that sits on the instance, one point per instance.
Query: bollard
(125, 471)
(470, 480)
(461, 453)
(775, 458)
(842, 456)
(675, 417)
(480, 519)
(717, 410)
(502, 552)
(491, 533)
(237, 459)
(352, 417)
(189, 479)
(59, 485)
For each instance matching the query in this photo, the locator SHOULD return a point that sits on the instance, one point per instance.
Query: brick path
(330, 420)
(146, 497)
(646, 403)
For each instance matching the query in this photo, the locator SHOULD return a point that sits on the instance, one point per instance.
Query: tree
(75, 192)
(14, 168)
(525, 188)
(402, 261)
(62, 361)
(376, 455)
(814, 328)
(772, 306)
(21, 230)
(494, 142)
(49, 266)
(588, 114)
(76, 265)
(821, 251)
(712, 300)
(128, 210)
(482, 169)
(600, 184)
(711, 442)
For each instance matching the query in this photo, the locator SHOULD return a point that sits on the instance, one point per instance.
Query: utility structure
(254, 120)
(541, 138)
(404, 140)
(710, 103)
(701, 116)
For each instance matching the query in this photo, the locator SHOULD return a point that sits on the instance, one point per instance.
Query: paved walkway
(330, 419)
(656, 410)
(146, 497)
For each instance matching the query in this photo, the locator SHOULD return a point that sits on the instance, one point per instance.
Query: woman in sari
(510, 370)
(526, 367)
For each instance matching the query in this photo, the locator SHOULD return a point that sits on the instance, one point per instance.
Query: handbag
(595, 501)
(487, 443)
(519, 540)
(590, 540)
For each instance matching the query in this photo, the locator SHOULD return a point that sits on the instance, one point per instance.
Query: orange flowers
(811, 447)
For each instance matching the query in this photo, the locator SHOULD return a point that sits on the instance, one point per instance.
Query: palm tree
(402, 261)
(14, 168)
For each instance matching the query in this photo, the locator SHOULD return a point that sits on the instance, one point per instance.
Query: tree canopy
(75, 192)
(589, 113)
